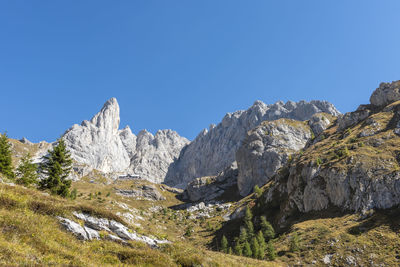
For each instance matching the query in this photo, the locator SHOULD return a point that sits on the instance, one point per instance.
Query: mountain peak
(108, 117)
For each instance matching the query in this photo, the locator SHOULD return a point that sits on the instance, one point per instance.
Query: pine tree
(247, 249)
(238, 248)
(271, 252)
(243, 235)
(230, 251)
(262, 244)
(6, 167)
(255, 248)
(248, 216)
(267, 229)
(56, 169)
(294, 243)
(27, 171)
(224, 244)
(248, 222)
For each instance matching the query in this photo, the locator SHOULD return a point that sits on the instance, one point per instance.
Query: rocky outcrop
(266, 149)
(353, 118)
(319, 122)
(148, 192)
(357, 171)
(385, 94)
(214, 149)
(99, 144)
(116, 231)
(211, 187)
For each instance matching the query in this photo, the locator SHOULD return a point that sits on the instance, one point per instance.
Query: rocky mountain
(100, 145)
(97, 142)
(266, 149)
(354, 167)
(215, 149)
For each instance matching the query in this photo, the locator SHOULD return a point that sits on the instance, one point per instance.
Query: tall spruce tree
(238, 248)
(271, 252)
(6, 167)
(267, 229)
(248, 222)
(255, 248)
(56, 168)
(27, 171)
(262, 244)
(247, 249)
(243, 237)
(224, 244)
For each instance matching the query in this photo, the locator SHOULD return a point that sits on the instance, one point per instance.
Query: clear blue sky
(183, 64)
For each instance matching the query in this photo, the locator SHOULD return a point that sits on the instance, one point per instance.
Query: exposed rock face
(214, 150)
(311, 188)
(357, 171)
(99, 144)
(210, 187)
(266, 149)
(319, 122)
(117, 231)
(352, 118)
(385, 94)
(154, 154)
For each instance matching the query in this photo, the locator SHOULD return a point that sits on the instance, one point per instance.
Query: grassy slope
(30, 233)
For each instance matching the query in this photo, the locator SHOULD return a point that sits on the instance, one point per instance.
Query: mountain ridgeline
(166, 157)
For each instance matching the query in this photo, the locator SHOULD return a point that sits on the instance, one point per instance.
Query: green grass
(30, 234)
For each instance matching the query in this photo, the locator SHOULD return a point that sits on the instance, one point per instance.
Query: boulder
(385, 94)
(74, 228)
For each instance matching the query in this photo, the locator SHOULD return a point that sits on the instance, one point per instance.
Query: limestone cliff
(215, 149)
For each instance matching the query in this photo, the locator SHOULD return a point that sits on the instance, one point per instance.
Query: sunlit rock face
(215, 149)
(100, 144)
(97, 142)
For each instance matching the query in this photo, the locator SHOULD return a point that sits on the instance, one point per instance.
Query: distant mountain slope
(214, 150)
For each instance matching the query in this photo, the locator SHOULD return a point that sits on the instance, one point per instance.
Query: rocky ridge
(100, 145)
(355, 167)
(215, 149)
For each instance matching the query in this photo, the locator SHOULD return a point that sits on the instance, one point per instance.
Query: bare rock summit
(101, 145)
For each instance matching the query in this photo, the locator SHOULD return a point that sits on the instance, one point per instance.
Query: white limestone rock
(214, 150)
(154, 154)
(117, 231)
(266, 149)
(97, 143)
(74, 228)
